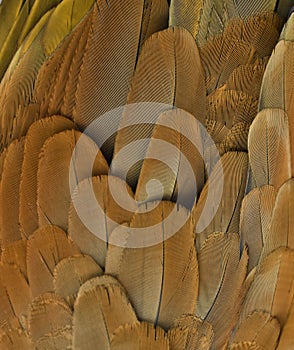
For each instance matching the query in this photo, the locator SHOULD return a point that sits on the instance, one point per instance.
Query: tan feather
(2, 159)
(70, 273)
(281, 233)
(288, 30)
(220, 268)
(36, 137)
(168, 74)
(269, 148)
(189, 333)
(248, 78)
(143, 336)
(104, 88)
(91, 220)
(98, 312)
(169, 274)
(228, 182)
(46, 247)
(272, 289)
(220, 56)
(16, 297)
(236, 139)
(14, 340)
(256, 214)
(279, 70)
(230, 107)
(54, 170)
(50, 322)
(245, 345)
(15, 253)
(260, 328)
(166, 165)
(9, 193)
(286, 340)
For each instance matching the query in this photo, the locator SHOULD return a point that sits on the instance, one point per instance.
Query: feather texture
(169, 279)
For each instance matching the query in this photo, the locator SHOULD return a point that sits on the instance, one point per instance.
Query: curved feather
(269, 148)
(98, 312)
(286, 338)
(169, 274)
(91, 220)
(36, 137)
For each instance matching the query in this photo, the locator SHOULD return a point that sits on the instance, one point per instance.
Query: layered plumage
(146, 175)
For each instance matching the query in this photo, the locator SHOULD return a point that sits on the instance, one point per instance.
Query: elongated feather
(280, 71)
(228, 182)
(167, 166)
(190, 332)
(36, 137)
(259, 327)
(98, 312)
(288, 30)
(123, 22)
(272, 289)
(230, 107)
(18, 293)
(219, 270)
(46, 247)
(143, 336)
(169, 274)
(53, 196)
(9, 193)
(281, 233)
(49, 315)
(92, 219)
(256, 214)
(286, 338)
(168, 74)
(269, 148)
(15, 254)
(70, 273)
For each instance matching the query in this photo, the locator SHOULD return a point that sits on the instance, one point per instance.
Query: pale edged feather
(166, 165)
(223, 214)
(288, 29)
(230, 107)
(17, 293)
(269, 148)
(212, 263)
(98, 312)
(45, 248)
(15, 254)
(15, 339)
(279, 70)
(190, 332)
(70, 273)
(9, 193)
(168, 74)
(105, 87)
(272, 289)
(169, 273)
(37, 134)
(50, 315)
(54, 189)
(280, 232)
(258, 327)
(143, 336)
(256, 215)
(92, 219)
